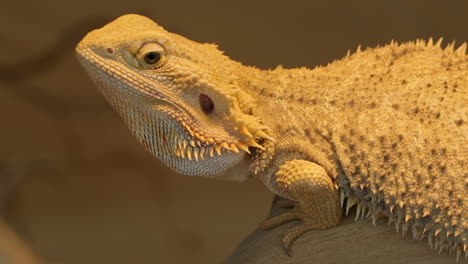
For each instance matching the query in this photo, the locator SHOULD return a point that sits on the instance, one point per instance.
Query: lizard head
(181, 99)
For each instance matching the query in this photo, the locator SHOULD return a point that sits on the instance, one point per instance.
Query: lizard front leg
(314, 194)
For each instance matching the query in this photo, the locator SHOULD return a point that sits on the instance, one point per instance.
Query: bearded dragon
(384, 129)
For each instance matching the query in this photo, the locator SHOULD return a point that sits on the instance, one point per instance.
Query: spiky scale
(218, 149)
(404, 229)
(430, 240)
(211, 151)
(426, 213)
(349, 203)
(254, 144)
(462, 49)
(358, 211)
(407, 217)
(415, 232)
(243, 147)
(202, 152)
(458, 254)
(233, 148)
(342, 197)
(192, 143)
(189, 153)
(196, 152)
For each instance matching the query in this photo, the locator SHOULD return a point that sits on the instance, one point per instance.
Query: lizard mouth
(168, 140)
(188, 138)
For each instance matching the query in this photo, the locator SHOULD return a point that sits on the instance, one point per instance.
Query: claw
(288, 249)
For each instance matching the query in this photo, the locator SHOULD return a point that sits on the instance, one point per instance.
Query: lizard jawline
(169, 141)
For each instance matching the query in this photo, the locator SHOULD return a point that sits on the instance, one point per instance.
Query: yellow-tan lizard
(384, 129)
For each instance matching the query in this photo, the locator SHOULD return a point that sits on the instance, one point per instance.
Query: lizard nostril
(110, 50)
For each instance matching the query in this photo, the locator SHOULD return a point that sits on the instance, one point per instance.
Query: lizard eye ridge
(152, 57)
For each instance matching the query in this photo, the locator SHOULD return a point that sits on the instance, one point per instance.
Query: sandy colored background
(86, 192)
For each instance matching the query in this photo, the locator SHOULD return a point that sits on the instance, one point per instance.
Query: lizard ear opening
(206, 103)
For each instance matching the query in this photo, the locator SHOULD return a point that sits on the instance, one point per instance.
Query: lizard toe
(292, 214)
(293, 233)
(286, 204)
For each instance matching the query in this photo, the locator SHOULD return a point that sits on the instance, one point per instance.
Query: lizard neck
(296, 108)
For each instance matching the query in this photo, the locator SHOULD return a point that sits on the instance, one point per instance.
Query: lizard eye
(151, 55)
(206, 103)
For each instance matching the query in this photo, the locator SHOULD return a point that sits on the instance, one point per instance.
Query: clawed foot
(316, 200)
(293, 233)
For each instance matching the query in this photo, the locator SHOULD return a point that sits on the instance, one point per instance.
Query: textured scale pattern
(393, 137)
(383, 129)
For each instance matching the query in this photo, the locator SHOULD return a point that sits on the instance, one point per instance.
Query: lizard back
(390, 124)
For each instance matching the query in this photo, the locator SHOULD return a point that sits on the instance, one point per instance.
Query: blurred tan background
(78, 188)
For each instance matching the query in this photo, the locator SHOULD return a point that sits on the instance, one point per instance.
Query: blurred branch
(13, 250)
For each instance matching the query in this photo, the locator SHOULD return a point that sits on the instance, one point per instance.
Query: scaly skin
(384, 129)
